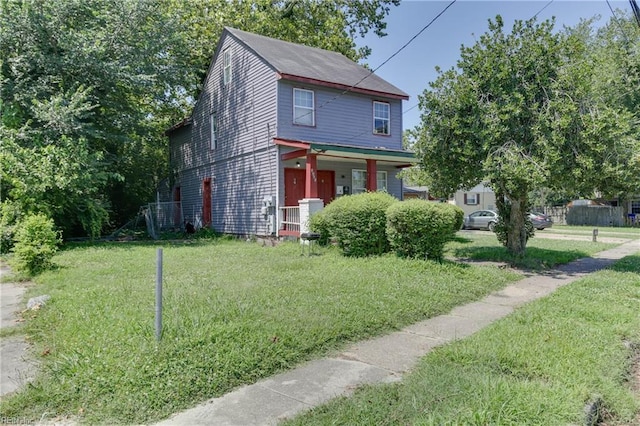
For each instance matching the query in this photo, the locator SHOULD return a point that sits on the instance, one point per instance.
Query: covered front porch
(322, 172)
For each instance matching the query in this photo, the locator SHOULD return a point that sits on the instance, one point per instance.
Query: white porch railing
(290, 220)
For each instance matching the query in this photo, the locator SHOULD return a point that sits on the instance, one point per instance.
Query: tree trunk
(516, 230)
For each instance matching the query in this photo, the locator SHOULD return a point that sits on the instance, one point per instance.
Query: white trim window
(381, 178)
(359, 181)
(213, 123)
(226, 59)
(303, 107)
(381, 118)
(635, 206)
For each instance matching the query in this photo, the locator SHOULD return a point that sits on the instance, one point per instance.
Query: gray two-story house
(276, 123)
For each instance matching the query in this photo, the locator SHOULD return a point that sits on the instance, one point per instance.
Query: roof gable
(313, 65)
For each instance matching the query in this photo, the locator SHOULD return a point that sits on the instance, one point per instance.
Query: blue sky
(439, 45)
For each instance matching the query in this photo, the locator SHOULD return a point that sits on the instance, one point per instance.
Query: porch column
(308, 207)
(311, 177)
(372, 175)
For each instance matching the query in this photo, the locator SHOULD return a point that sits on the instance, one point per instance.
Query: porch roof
(400, 157)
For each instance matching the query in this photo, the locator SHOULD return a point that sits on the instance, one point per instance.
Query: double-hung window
(213, 123)
(381, 118)
(381, 179)
(227, 66)
(359, 181)
(471, 199)
(303, 107)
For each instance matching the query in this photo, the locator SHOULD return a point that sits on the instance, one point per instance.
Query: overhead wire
(423, 29)
(636, 10)
(543, 8)
(615, 18)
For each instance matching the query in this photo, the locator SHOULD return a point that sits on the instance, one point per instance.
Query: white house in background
(480, 197)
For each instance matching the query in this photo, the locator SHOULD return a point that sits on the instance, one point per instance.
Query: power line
(409, 109)
(390, 57)
(636, 10)
(387, 60)
(413, 38)
(615, 18)
(543, 8)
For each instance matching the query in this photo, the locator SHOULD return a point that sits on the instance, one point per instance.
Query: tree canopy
(529, 109)
(89, 86)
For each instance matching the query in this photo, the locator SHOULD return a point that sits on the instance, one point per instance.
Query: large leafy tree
(81, 86)
(521, 111)
(89, 86)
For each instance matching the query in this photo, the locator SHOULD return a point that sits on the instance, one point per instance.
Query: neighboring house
(480, 197)
(421, 192)
(276, 123)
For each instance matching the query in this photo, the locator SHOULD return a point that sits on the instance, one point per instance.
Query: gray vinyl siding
(180, 154)
(245, 167)
(242, 167)
(346, 119)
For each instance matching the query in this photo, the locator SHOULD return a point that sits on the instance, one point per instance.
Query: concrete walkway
(383, 359)
(15, 367)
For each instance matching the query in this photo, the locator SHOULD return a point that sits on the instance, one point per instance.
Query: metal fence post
(159, 294)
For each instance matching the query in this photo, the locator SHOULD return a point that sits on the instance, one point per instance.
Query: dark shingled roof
(323, 67)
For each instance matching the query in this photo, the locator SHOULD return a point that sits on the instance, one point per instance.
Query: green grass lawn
(539, 366)
(542, 253)
(234, 312)
(616, 232)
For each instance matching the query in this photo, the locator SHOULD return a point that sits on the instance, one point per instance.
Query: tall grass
(540, 366)
(233, 312)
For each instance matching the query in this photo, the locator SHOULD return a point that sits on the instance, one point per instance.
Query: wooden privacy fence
(587, 215)
(557, 214)
(596, 216)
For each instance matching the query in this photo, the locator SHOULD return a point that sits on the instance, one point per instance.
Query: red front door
(326, 185)
(294, 180)
(206, 202)
(293, 186)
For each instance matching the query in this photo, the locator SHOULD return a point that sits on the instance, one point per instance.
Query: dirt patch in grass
(634, 382)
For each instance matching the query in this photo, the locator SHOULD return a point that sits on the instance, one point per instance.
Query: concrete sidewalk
(15, 367)
(383, 359)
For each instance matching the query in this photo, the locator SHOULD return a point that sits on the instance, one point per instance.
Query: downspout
(255, 160)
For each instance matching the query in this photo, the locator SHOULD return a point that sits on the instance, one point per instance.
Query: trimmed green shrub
(458, 215)
(420, 229)
(358, 223)
(36, 242)
(318, 223)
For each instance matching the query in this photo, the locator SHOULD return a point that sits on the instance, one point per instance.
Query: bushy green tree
(522, 112)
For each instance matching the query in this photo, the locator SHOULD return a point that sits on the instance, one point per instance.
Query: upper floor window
(359, 181)
(303, 107)
(227, 66)
(471, 199)
(214, 130)
(381, 118)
